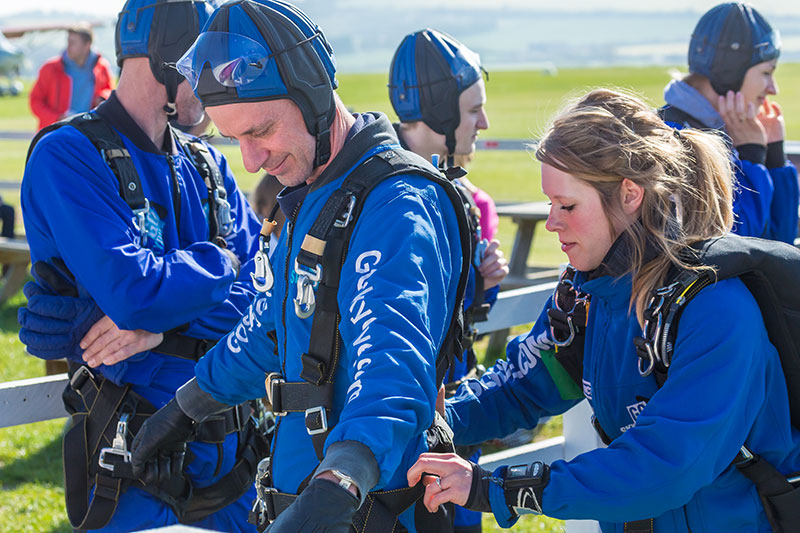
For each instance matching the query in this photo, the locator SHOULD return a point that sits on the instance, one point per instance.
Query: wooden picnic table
(15, 254)
(526, 216)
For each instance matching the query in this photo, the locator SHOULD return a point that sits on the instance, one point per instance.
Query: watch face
(516, 471)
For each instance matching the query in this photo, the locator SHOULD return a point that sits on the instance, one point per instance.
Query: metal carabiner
(263, 278)
(305, 302)
(651, 363)
(570, 338)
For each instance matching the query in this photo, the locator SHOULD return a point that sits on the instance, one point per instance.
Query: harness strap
(639, 526)
(96, 405)
(233, 485)
(81, 445)
(110, 145)
(183, 347)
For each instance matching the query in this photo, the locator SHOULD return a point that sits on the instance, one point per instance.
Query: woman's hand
(106, 344)
(771, 117)
(446, 476)
(741, 120)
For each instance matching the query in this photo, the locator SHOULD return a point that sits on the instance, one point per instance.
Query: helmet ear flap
(728, 40)
(439, 97)
(429, 72)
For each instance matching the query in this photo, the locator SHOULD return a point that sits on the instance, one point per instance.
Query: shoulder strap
(321, 257)
(111, 148)
(219, 217)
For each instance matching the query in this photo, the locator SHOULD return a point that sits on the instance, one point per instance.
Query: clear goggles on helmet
(769, 48)
(234, 60)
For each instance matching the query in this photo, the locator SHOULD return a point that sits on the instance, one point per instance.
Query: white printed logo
(238, 336)
(528, 355)
(360, 312)
(587, 389)
(633, 411)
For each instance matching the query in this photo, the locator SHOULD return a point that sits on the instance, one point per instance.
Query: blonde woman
(629, 197)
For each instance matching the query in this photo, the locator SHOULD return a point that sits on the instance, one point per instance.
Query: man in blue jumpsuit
(265, 74)
(438, 93)
(162, 290)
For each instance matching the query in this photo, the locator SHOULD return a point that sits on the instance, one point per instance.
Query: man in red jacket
(73, 82)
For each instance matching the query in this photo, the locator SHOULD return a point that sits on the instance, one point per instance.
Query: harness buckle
(259, 515)
(273, 379)
(79, 378)
(118, 447)
(316, 415)
(141, 215)
(224, 219)
(747, 456)
(347, 216)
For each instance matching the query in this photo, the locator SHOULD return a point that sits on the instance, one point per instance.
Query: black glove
(158, 447)
(323, 507)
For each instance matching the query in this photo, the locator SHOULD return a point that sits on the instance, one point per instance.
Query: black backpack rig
(771, 272)
(105, 416)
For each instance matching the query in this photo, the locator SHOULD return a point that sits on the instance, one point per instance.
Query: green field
(519, 105)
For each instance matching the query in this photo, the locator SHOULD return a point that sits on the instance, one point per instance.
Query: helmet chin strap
(450, 142)
(322, 151)
(171, 82)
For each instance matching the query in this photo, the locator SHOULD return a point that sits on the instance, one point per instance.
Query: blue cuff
(490, 295)
(354, 459)
(497, 499)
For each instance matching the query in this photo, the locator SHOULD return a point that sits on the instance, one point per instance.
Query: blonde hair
(607, 136)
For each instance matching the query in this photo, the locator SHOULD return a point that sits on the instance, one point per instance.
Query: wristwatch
(523, 486)
(345, 481)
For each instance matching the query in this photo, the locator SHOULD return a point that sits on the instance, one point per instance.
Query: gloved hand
(323, 506)
(56, 317)
(166, 432)
(158, 449)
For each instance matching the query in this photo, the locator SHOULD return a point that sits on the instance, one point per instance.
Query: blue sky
(102, 8)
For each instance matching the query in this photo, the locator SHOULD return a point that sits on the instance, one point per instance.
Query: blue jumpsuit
(767, 191)
(396, 296)
(174, 277)
(672, 449)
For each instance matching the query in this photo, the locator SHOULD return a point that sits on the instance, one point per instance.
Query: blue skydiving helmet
(728, 40)
(161, 30)
(429, 71)
(266, 50)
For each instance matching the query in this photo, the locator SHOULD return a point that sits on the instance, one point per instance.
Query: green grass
(519, 106)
